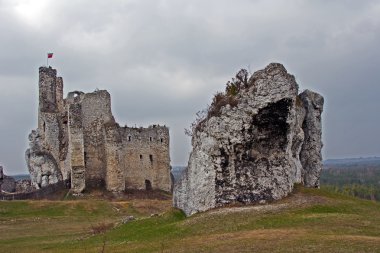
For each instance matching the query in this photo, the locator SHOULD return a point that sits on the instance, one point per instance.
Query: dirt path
(293, 201)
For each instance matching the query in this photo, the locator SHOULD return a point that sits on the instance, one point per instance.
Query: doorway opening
(148, 185)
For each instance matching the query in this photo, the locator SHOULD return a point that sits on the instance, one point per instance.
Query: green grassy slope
(308, 221)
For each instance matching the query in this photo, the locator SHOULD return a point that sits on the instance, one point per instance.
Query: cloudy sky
(162, 60)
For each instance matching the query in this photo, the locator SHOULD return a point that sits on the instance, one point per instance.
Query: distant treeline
(359, 180)
(177, 172)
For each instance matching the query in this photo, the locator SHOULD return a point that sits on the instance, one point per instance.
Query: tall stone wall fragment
(76, 148)
(248, 150)
(47, 90)
(96, 111)
(7, 183)
(59, 94)
(115, 178)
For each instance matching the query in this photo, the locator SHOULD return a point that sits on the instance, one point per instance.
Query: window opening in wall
(129, 138)
(151, 158)
(140, 157)
(148, 185)
(44, 126)
(162, 140)
(150, 138)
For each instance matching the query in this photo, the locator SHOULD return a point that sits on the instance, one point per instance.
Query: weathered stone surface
(311, 156)
(127, 219)
(74, 142)
(249, 151)
(147, 160)
(42, 166)
(24, 185)
(76, 148)
(115, 177)
(7, 184)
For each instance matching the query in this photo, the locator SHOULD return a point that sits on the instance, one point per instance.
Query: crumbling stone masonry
(7, 184)
(78, 139)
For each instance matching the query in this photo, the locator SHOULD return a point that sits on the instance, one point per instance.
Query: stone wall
(7, 184)
(50, 103)
(50, 133)
(59, 94)
(96, 111)
(47, 90)
(115, 173)
(146, 157)
(76, 148)
(43, 193)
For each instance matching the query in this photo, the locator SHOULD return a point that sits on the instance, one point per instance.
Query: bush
(239, 82)
(218, 102)
(220, 99)
(101, 228)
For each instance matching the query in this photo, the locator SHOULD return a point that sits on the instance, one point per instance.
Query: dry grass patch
(101, 228)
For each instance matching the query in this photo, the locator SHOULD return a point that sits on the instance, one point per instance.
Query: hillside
(309, 220)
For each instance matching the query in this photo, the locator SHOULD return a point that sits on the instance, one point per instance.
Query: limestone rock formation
(42, 166)
(311, 157)
(254, 144)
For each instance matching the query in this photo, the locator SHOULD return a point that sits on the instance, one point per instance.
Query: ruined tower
(78, 140)
(48, 113)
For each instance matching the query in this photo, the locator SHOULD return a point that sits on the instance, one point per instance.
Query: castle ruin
(78, 140)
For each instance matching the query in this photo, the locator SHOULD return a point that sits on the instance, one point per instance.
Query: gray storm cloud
(163, 60)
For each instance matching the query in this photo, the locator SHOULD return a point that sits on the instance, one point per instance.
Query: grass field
(309, 220)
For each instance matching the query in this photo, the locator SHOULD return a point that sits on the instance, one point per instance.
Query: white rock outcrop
(255, 146)
(42, 166)
(311, 156)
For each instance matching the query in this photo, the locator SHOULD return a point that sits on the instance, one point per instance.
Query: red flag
(50, 55)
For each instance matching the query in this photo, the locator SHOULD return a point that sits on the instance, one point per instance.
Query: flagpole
(49, 55)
